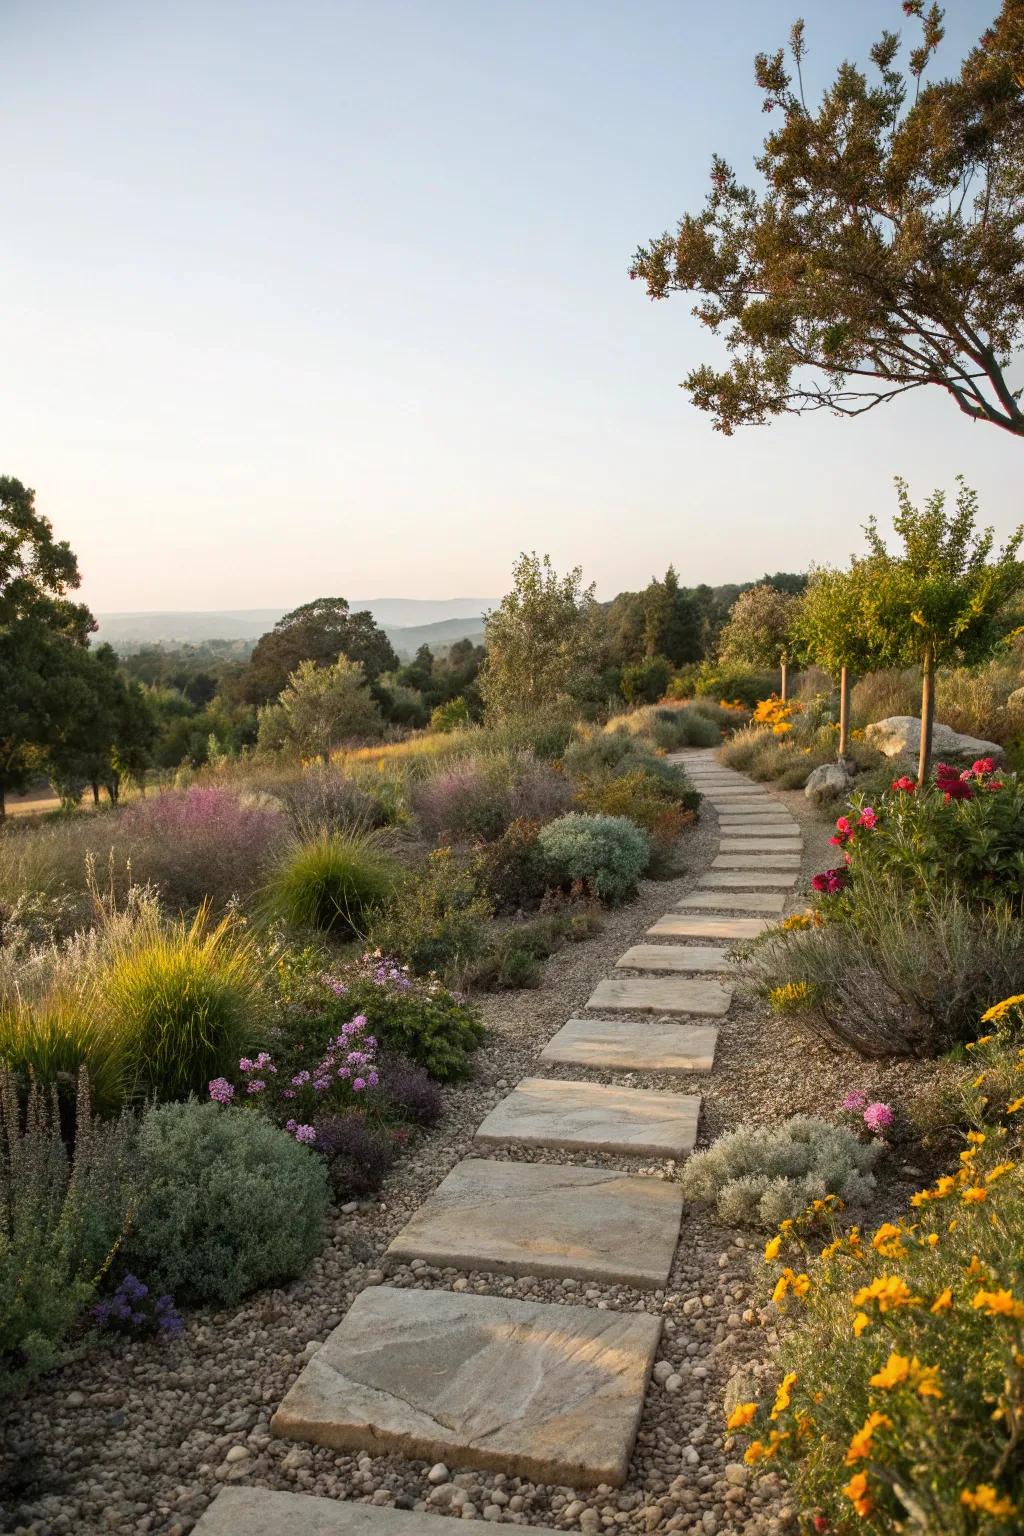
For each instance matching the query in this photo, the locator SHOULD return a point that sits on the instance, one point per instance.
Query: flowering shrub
(435, 922)
(764, 1175)
(478, 797)
(608, 854)
(315, 1080)
(359, 1153)
(653, 802)
(511, 869)
(901, 1391)
(777, 716)
(134, 1309)
(199, 844)
(876, 1116)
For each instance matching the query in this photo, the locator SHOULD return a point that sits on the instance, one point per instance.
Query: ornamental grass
(900, 1397)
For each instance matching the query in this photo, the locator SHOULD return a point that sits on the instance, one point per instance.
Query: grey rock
(828, 782)
(899, 736)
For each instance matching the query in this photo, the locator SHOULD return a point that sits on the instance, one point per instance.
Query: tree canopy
(541, 640)
(884, 250)
(320, 632)
(761, 631)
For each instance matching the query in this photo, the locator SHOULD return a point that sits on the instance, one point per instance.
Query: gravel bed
(139, 1436)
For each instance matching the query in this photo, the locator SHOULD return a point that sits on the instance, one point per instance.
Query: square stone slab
(238, 1511)
(735, 827)
(752, 861)
(661, 994)
(547, 1219)
(679, 925)
(656, 1045)
(548, 1393)
(731, 901)
(674, 957)
(733, 842)
(547, 1112)
(735, 879)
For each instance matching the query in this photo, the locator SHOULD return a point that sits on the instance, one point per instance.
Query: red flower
(984, 765)
(905, 784)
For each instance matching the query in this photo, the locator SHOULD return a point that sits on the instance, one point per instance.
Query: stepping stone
(238, 1511)
(547, 1219)
(735, 826)
(673, 957)
(730, 901)
(661, 994)
(654, 1046)
(723, 879)
(549, 1393)
(547, 1112)
(740, 795)
(753, 861)
(679, 925)
(733, 843)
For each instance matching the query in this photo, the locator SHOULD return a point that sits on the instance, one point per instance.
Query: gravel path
(138, 1437)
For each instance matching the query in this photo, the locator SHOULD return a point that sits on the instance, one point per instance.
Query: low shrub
(62, 1218)
(308, 1078)
(672, 729)
(593, 752)
(511, 869)
(436, 920)
(333, 884)
(412, 1094)
(723, 680)
(358, 1153)
(888, 1341)
(644, 682)
(515, 957)
(452, 715)
(605, 854)
(230, 1203)
(480, 797)
(322, 799)
(203, 844)
(647, 799)
(763, 1175)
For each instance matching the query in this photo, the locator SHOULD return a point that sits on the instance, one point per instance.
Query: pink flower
(830, 882)
(867, 818)
(984, 765)
(257, 1085)
(842, 824)
(855, 1100)
(878, 1117)
(221, 1090)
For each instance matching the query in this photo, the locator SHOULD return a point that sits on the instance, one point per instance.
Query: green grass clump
(332, 883)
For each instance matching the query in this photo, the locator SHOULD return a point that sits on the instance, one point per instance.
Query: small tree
(882, 251)
(834, 629)
(541, 640)
(320, 707)
(943, 599)
(761, 631)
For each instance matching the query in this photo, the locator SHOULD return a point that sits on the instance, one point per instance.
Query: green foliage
(515, 957)
(435, 922)
(452, 715)
(645, 682)
(661, 808)
(62, 1218)
(230, 1204)
(540, 641)
(321, 632)
(761, 629)
(823, 301)
(320, 707)
(890, 1341)
(511, 869)
(334, 883)
(727, 680)
(605, 854)
(763, 1175)
(672, 729)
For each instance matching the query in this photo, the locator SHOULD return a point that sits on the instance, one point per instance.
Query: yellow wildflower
(998, 1171)
(889, 1291)
(943, 1301)
(760, 1450)
(1015, 1106)
(899, 1369)
(986, 1500)
(981, 1040)
(976, 1138)
(1000, 1010)
(771, 1249)
(888, 1241)
(893, 1373)
(782, 1395)
(860, 1322)
(1000, 1303)
(974, 1195)
(741, 1416)
(860, 1445)
(856, 1491)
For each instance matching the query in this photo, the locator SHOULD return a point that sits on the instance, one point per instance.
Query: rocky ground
(138, 1437)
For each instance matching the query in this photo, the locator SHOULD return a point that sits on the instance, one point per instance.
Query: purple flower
(221, 1090)
(287, 1093)
(305, 1133)
(300, 1079)
(358, 1085)
(257, 1085)
(245, 1065)
(878, 1117)
(855, 1100)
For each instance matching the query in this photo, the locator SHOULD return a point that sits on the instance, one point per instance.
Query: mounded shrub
(436, 920)
(605, 854)
(230, 1203)
(479, 797)
(323, 799)
(358, 1153)
(763, 1175)
(203, 844)
(511, 869)
(653, 802)
(333, 883)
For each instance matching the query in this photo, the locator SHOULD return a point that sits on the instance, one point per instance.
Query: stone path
(548, 1392)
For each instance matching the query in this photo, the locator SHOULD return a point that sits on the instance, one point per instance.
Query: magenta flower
(878, 1118)
(358, 1084)
(855, 1100)
(257, 1085)
(221, 1090)
(867, 818)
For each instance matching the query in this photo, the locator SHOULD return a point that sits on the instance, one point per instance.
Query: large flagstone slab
(547, 1219)
(549, 1112)
(754, 861)
(734, 843)
(737, 879)
(737, 827)
(656, 1045)
(685, 925)
(239, 1511)
(731, 901)
(661, 994)
(674, 957)
(549, 1393)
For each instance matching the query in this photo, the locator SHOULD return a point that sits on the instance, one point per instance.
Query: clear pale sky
(331, 297)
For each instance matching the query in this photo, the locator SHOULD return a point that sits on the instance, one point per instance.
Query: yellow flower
(741, 1416)
(998, 1171)
(899, 1369)
(981, 1040)
(895, 1371)
(860, 1322)
(976, 1138)
(856, 1491)
(978, 1080)
(975, 1195)
(789, 1280)
(888, 1241)
(1001, 1303)
(782, 1395)
(759, 1450)
(889, 1291)
(860, 1445)
(1015, 1106)
(932, 1240)
(943, 1301)
(1000, 1010)
(798, 920)
(986, 1500)
(771, 1249)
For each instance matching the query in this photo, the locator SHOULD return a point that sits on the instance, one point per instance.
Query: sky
(332, 297)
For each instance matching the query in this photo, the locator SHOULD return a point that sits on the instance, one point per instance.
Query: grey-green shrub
(231, 1203)
(762, 1175)
(607, 854)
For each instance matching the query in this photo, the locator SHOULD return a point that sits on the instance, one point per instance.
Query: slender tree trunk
(927, 714)
(844, 711)
(784, 669)
(95, 793)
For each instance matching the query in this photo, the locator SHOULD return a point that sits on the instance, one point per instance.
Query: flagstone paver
(238, 1511)
(547, 1219)
(731, 901)
(683, 925)
(550, 1393)
(661, 994)
(760, 879)
(655, 1045)
(736, 844)
(753, 828)
(674, 957)
(754, 861)
(551, 1112)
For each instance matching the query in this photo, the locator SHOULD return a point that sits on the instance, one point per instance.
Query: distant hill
(403, 618)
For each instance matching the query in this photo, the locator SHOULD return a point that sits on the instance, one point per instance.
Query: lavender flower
(855, 1100)
(221, 1090)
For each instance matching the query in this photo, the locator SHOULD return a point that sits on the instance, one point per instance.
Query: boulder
(828, 782)
(900, 736)
(1015, 703)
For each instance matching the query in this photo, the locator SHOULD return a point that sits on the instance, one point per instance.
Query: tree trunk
(784, 669)
(844, 711)
(927, 715)
(95, 793)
